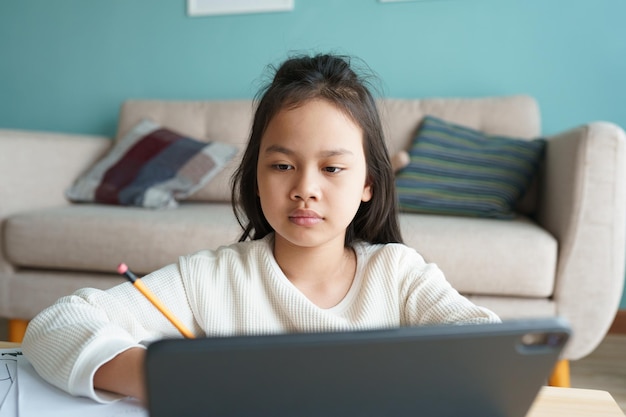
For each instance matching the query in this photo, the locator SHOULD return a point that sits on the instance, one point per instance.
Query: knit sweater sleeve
(67, 342)
(428, 298)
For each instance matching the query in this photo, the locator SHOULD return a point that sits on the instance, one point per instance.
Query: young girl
(321, 248)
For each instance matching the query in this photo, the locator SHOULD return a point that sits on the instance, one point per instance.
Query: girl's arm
(69, 341)
(124, 374)
(430, 299)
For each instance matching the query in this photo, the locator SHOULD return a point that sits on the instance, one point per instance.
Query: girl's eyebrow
(278, 149)
(323, 154)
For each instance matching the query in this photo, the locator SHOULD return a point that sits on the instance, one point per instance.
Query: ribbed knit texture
(236, 290)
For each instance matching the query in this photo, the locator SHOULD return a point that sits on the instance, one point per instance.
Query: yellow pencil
(122, 269)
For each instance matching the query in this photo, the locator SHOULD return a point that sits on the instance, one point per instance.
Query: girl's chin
(306, 238)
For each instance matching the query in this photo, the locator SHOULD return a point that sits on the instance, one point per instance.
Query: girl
(321, 248)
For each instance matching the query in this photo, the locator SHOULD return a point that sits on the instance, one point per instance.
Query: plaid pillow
(460, 171)
(151, 167)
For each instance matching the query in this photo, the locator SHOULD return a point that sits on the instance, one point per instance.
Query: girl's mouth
(302, 217)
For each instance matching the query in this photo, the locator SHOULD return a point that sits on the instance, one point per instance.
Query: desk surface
(551, 401)
(574, 402)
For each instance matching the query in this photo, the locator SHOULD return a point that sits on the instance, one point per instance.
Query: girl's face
(312, 174)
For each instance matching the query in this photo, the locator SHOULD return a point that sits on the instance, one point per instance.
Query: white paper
(9, 406)
(8, 375)
(8, 382)
(37, 398)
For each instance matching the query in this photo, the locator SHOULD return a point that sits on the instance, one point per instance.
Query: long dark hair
(328, 77)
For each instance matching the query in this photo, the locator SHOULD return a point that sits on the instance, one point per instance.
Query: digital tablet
(486, 370)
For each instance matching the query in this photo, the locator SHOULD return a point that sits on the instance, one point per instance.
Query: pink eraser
(122, 268)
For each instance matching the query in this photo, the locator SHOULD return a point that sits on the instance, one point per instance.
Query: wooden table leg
(17, 328)
(560, 375)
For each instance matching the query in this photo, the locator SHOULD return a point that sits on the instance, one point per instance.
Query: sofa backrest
(516, 116)
(230, 121)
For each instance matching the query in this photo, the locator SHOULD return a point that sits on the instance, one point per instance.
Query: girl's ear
(367, 190)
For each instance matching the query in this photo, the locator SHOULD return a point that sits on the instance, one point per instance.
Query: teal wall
(66, 65)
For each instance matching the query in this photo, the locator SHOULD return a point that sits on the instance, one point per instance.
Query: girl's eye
(283, 167)
(333, 170)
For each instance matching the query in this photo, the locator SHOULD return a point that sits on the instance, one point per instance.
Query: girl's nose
(305, 187)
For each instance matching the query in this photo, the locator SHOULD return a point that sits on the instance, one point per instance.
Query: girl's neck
(323, 274)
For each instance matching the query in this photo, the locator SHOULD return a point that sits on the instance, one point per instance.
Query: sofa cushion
(227, 120)
(93, 237)
(486, 256)
(152, 167)
(460, 171)
(516, 116)
(230, 121)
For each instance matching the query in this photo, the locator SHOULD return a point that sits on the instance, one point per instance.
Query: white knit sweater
(234, 290)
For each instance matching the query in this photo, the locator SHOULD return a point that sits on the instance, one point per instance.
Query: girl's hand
(124, 374)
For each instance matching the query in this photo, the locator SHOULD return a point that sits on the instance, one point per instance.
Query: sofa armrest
(37, 167)
(583, 204)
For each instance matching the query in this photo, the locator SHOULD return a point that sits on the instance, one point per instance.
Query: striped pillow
(460, 171)
(151, 167)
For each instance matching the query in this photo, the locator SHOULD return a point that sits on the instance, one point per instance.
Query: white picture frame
(222, 7)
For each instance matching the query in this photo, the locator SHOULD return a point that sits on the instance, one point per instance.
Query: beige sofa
(564, 258)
